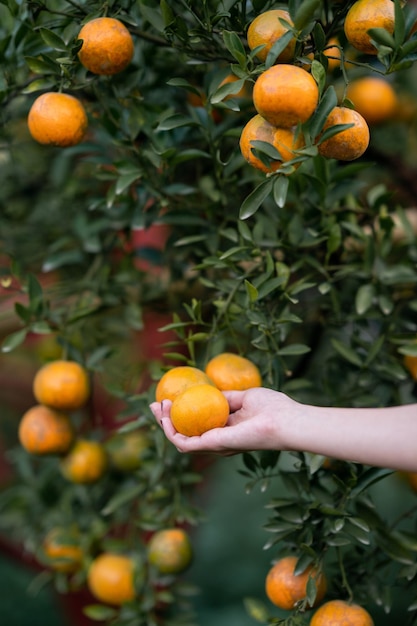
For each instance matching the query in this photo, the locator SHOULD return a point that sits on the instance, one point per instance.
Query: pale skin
(264, 419)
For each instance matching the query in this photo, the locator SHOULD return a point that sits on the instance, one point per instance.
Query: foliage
(301, 271)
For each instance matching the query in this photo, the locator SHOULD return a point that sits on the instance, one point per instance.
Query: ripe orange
(410, 363)
(107, 46)
(62, 550)
(170, 550)
(126, 450)
(85, 462)
(374, 98)
(285, 140)
(198, 409)
(57, 119)
(266, 29)
(285, 95)
(62, 385)
(349, 144)
(366, 14)
(231, 371)
(110, 578)
(285, 589)
(332, 52)
(45, 431)
(341, 613)
(177, 380)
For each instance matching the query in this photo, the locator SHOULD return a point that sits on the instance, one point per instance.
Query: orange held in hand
(364, 15)
(111, 578)
(285, 95)
(170, 550)
(198, 409)
(348, 144)
(107, 46)
(285, 140)
(62, 385)
(57, 119)
(266, 29)
(177, 380)
(285, 588)
(231, 372)
(45, 431)
(340, 613)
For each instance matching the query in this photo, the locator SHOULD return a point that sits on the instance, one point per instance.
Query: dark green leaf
(382, 37)
(280, 190)
(364, 298)
(305, 13)
(14, 340)
(53, 40)
(254, 200)
(99, 612)
(347, 353)
(327, 104)
(294, 349)
(399, 21)
(235, 46)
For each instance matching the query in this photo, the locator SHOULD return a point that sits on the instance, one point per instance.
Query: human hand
(256, 421)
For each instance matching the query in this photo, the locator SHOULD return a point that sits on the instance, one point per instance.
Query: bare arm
(263, 419)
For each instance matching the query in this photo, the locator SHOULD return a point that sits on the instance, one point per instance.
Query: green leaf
(347, 353)
(319, 74)
(40, 66)
(34, 290)
(99, 612)
(364, 298)
(235, 46)
(305, 13)
(327, 104)
(256, 610)
(368, 478)
(399, 21)
(277, 48)
(382, 37)
(254, 200)
(167, 13)
(251, 291)
(124, 181)
(153, 16)
(41, 84)
(53, 40)
(280, 190)
(294, 349)
(14, 340)
(176, 121)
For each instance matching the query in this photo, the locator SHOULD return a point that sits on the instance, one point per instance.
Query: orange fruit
(332, 52)
(349, 144)
(126, 450)
(366, 14)
(107, 46)
(62, 551)
(410, 363)
(62, 385)
(170, 550)
(285, 589)
(177, 380)
(231, 371)
(45, 431)
(285, 95)
(374, 98)
(110, 578)
(85, 462)
(285, 140)
(57, 119)
(341, 613)
(266, 29)
(198, 409)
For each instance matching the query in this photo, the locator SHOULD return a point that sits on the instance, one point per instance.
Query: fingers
(235, 399)
(161, 409)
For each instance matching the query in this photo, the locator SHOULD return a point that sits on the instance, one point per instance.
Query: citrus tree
(217, 176)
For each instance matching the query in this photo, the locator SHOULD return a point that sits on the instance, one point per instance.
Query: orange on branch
(364, 15)
(341, 613)
(111, 578)
(126, 449)
(198, 409)
(284, 588)
(62, 550)
(266, 29)
(374, 98)
(285, 95)
(231, 371)
(57, 119)
(43, 430)
(177, 380)
(107, 47)
(286, 140)
(86, 462)
(62, 385)
(170, 550)
(348, 144)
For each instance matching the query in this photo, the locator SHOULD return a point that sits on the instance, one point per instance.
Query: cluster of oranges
(60, 119)
(198, 404)
(286, 588)
(286, 95)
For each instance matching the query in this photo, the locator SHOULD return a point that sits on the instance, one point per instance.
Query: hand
(255, 423)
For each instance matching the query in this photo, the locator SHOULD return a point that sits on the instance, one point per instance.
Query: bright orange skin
(410, 362)
(170, 550)
(62, 550)
(366, 14)
(177, 380)
(107, 46)
(111, 578)
(265, 30)
(62, 385)
(374, 98)
(285, 589)
(86, 462)
(45, 431)
(57, 119)
(285, 95)
(349, 144)
(231, 371)
(340, 613)
(198, 409)
(283, 139)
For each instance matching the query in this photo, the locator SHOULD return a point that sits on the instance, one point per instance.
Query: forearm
(385, 437)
